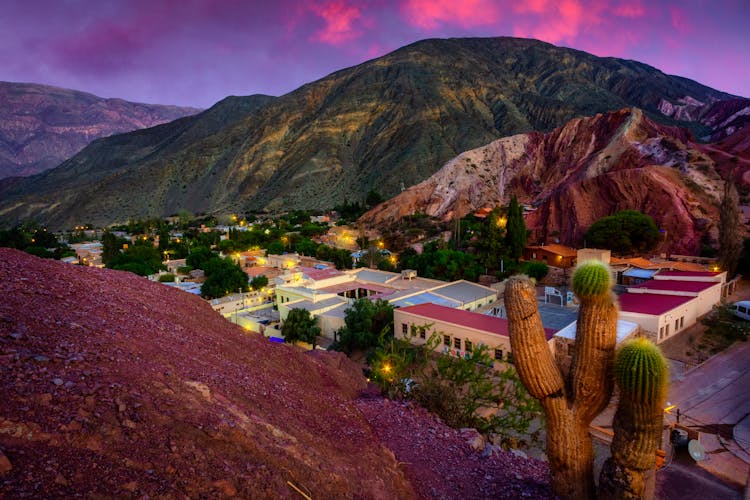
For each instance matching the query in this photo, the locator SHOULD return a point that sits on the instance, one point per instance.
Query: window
(457, 343)
(666, 331)
(510, 357)
(676, 324)
(422, 333)
(682, 321)
(404, 328)
(499, 354)
(446, 341)
(661, 333)
(467, 346)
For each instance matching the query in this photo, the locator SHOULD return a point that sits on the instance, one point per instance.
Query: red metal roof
(482, 322)
(319, 274)
(689, 273)
(650, 303)
(676, 285)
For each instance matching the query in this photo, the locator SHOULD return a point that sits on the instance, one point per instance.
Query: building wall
(661, 327)
(499, 345)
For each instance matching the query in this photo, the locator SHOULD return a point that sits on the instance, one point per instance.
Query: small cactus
(591, 278)
(641, 372)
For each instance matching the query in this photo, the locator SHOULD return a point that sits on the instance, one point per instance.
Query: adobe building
(553, 255)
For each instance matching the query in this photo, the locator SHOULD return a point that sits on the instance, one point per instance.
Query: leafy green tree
(491, 241)
(624, 233)
(306, 246)
(275, 248)
(367, 324)
(299, 325)
(111, 246)
(223, 277)
(515, 231)
(199, 256)
(258, 282)
(138, 259)
(535, 269)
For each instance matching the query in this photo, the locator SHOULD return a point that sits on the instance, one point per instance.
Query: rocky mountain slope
(115, 386)
(388, 122)
(41, 126)
(575, 174)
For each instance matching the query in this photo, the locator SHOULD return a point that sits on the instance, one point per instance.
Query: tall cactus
(570, 405)
(642, 376)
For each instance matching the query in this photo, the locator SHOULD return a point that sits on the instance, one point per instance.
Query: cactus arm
(534, 361)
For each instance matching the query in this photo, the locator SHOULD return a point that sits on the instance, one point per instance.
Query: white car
(741, 309)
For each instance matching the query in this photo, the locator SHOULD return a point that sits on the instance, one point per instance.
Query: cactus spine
(642, 376)
(570, 405)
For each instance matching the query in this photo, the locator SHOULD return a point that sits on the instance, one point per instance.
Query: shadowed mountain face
(390, 121)
(41, 126)
(576, 174)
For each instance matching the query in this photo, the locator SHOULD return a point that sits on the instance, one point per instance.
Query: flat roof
(624, 329)
(676, 285)
(373, 275)
(459, 317)
(314, 306)
(636, 272)
(318, 274)
(696, 274)
(556, 249)
(424, 298)
(464, 291)
(650, 303)
(354, 285)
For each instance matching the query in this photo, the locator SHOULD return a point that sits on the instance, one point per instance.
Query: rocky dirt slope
(575, 174)
(116, 386)
(41, 126)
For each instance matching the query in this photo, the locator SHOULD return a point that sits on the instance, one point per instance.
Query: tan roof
(644, 263)
(557, 249)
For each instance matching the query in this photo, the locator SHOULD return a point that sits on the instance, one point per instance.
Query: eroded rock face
(576, 174)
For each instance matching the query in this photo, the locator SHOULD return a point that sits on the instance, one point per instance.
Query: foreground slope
(576, 174)
(41, 126)
(113, 385)
(388, 122)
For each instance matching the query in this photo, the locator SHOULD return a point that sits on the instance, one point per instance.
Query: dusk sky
(196, 52)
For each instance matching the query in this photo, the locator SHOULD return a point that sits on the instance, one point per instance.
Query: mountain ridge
(43, 125)
(390, 121)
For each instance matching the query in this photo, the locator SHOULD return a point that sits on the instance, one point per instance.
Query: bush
(535, 269)
(166, 278)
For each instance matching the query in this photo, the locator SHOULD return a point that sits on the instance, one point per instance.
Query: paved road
(714, 399)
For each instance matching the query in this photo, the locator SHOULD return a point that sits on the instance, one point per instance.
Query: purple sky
(195, 52)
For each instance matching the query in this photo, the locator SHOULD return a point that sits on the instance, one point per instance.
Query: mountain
(116, 386)
(41, 126)
(574, 175)
(388, 122)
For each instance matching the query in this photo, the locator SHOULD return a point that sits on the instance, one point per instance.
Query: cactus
(642, 376)
(591, 278)
(569, 404)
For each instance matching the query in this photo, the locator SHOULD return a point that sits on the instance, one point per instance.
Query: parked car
(741, 309)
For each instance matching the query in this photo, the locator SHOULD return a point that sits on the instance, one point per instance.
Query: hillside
(574, 175)
(41, 126)
(388, 122)
(116, 386)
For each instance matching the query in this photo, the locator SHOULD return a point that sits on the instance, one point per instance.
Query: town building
(553, 255)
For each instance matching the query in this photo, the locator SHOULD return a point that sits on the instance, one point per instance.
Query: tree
(299, 325)
(367, 324)
(111, 246)
(535, 269)
(515, 232)
(626, 232)
(138, 259)
(259, 282)
(730, 240)
(491, 244)
(199, 256)
(223, 276)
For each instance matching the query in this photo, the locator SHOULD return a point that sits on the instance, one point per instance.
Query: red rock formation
(589, 168)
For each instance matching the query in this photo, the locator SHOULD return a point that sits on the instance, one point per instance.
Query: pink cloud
(340, 19)
(562, 21)
(680, 21)
(630, 10)
(430, 14)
